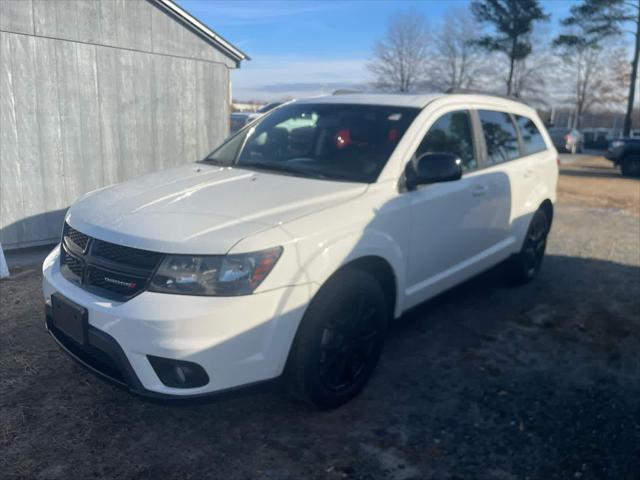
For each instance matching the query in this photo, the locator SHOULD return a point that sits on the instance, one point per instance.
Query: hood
(201, 209)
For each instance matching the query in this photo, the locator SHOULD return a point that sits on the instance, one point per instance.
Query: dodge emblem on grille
(120, 283)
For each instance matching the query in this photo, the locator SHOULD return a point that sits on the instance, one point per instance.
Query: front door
(453, 227)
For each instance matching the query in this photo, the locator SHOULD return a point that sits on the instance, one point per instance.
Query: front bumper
(237, 340)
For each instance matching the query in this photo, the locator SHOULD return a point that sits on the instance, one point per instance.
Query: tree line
(585, 65)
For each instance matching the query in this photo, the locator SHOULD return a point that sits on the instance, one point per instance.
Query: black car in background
(625, 152)
(566, 139)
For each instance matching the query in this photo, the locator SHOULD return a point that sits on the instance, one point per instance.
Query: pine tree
(512, 22)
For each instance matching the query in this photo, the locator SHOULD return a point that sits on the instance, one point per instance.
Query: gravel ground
(485, 382)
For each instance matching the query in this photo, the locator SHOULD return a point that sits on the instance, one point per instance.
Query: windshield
(328, 141)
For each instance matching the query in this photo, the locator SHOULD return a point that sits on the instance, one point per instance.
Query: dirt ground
(588, 182)
(484, 382)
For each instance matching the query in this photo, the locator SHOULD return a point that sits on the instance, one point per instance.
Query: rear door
(539, 173)
(506, 172)
(533, 153)
(517, 151)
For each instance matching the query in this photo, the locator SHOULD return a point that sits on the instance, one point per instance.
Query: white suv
(289, 249)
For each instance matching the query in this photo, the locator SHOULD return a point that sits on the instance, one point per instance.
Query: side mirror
(432, 168)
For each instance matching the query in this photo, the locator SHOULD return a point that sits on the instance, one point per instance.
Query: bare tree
(400, 58)
(530, 76)
(588, 84)
(535, 77)
(455, 63)
(595, 20)
(597, 77)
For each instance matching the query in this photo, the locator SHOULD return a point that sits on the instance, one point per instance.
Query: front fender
(340, 251)
(313, 259)
(317, 246)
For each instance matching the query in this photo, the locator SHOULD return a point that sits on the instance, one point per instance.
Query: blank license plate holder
(70, 318)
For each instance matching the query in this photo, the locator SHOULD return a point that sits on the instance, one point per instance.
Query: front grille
(107, 269)
(75, 237)
(127, 255)
(72, 265)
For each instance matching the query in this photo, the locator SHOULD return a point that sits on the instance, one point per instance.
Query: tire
(339, 340)
(525, 265)
(631, 166)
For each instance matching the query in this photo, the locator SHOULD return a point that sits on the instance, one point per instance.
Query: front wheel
(525, 265)
(339, 341)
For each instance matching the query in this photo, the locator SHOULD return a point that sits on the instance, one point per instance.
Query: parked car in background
(625, 152)
(240, 119)
(566, 139)
(596, 138)
(290, 249)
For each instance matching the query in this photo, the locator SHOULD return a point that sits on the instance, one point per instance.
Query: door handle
(479, 190)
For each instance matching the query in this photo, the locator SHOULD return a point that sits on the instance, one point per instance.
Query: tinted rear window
(532, 141)
(500, 136)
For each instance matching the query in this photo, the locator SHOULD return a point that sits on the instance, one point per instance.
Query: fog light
(178, 373)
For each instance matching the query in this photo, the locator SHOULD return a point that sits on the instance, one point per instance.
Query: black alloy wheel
(339, 340)
(347, 344)
(524, 266)
(535, 244)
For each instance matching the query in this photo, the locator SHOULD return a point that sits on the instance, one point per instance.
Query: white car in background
(289, 250)
(240, 119)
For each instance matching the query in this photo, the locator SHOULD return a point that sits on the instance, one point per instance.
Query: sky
(300, 48)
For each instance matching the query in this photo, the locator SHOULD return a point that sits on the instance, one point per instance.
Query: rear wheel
(525, 265)
(339, 340)
(631, 166)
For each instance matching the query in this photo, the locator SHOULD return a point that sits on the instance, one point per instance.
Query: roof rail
(469, 91)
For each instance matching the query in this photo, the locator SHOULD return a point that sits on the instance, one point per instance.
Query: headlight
(216, 275)
(617, 143)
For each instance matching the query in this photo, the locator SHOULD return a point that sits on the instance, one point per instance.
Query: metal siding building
(96, 92)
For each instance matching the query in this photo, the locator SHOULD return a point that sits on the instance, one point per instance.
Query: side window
(532, 140)
(500, 136)
(452, 133)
